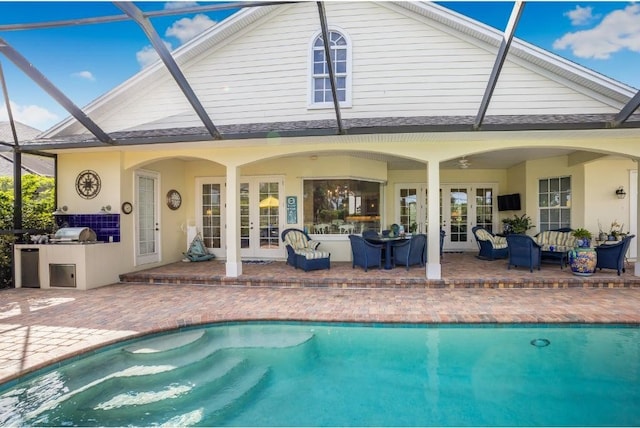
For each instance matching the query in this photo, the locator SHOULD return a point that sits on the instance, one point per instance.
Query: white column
(636, 267)
(434, 268)
(234, 262)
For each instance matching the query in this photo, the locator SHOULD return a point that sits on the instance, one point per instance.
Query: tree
(37, 206)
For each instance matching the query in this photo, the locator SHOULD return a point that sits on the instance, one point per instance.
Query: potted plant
(583, 236)
(583, 258)
(517, 224)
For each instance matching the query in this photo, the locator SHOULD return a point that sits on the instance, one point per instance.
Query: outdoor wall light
(620, 193)
(61, 210)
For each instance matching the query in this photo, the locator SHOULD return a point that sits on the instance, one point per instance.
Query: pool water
(280, 374)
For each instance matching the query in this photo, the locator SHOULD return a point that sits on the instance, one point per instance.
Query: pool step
(213, 343)
(143, 392)
(183, 404)
(231, 396)
(165, 342)
(184, 371)
(263, 339)
(177, 354)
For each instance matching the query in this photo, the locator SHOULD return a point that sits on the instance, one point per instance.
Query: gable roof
(446, 20)
(31, 164)
(24, 132)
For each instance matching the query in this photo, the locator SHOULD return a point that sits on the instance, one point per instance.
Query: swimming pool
(276, 374)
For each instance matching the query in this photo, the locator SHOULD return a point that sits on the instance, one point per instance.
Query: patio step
(459, 270)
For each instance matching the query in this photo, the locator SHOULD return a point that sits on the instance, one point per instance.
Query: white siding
(402, 66)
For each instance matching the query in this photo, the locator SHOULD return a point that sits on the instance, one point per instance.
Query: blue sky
(87, 61)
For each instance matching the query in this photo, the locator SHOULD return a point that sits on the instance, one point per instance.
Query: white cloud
(87, 75)
(186, 29)
(618, 30)
(172, 5)
(148, 55)
(32, 115)
(581, 15)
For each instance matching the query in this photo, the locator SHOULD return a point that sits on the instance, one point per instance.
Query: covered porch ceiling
(501, 159)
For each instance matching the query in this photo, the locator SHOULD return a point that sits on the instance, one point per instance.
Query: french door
(261, 217)
(462, 206)
(147, 222)
(465, 206)
(211, 215)
(456, 221)
(260, 211)
(411, 199)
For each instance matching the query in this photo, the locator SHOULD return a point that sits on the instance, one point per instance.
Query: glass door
(411, 208)
(147, 224)
(211, 215)
(260, 212)
(485, 211)
(456, 220)
(261, 217)
(467, 205)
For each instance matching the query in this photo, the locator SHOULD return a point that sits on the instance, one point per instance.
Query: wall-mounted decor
(127, 207)
(88, 184)
(292, 209)
(174, 200)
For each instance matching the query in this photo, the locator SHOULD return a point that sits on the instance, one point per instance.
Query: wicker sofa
(555, 245)
(560, 240)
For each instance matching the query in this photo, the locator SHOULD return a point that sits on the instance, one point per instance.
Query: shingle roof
(31, 164)
(23, 131)
(391, 125)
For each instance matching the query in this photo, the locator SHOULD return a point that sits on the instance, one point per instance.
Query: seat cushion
(311, 254)
(498, 242)
(556, 248)
(555, 238)
(297, 240)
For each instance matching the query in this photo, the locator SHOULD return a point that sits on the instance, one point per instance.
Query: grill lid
(70, 234)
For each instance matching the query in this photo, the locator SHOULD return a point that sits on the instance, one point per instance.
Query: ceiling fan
(463, 163)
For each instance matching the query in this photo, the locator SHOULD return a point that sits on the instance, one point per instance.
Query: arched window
(340, 59)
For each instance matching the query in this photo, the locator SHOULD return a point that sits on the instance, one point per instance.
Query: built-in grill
(74, 235)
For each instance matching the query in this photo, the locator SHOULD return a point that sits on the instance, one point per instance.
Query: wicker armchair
(611, 256)
(302, 251)
(523, 251)
(364, 253)
(411, 252)
(491, 246)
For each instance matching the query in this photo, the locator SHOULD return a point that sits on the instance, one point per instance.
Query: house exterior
(30, 164)
(401, 148)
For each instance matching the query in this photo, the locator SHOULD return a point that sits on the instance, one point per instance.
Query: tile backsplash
(106, 226)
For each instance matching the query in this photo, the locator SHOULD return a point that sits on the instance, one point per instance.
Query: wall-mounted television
(509, 202)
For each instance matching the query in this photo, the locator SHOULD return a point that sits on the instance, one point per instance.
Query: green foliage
(37, 206)
(581, 233)
(517, 224)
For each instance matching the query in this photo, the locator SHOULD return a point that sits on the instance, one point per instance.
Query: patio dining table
(388, 243)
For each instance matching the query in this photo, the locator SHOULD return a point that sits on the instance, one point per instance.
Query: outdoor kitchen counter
(72, 265)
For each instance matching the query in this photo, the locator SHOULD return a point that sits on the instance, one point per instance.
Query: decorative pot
(583, 261)
(583, 242)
